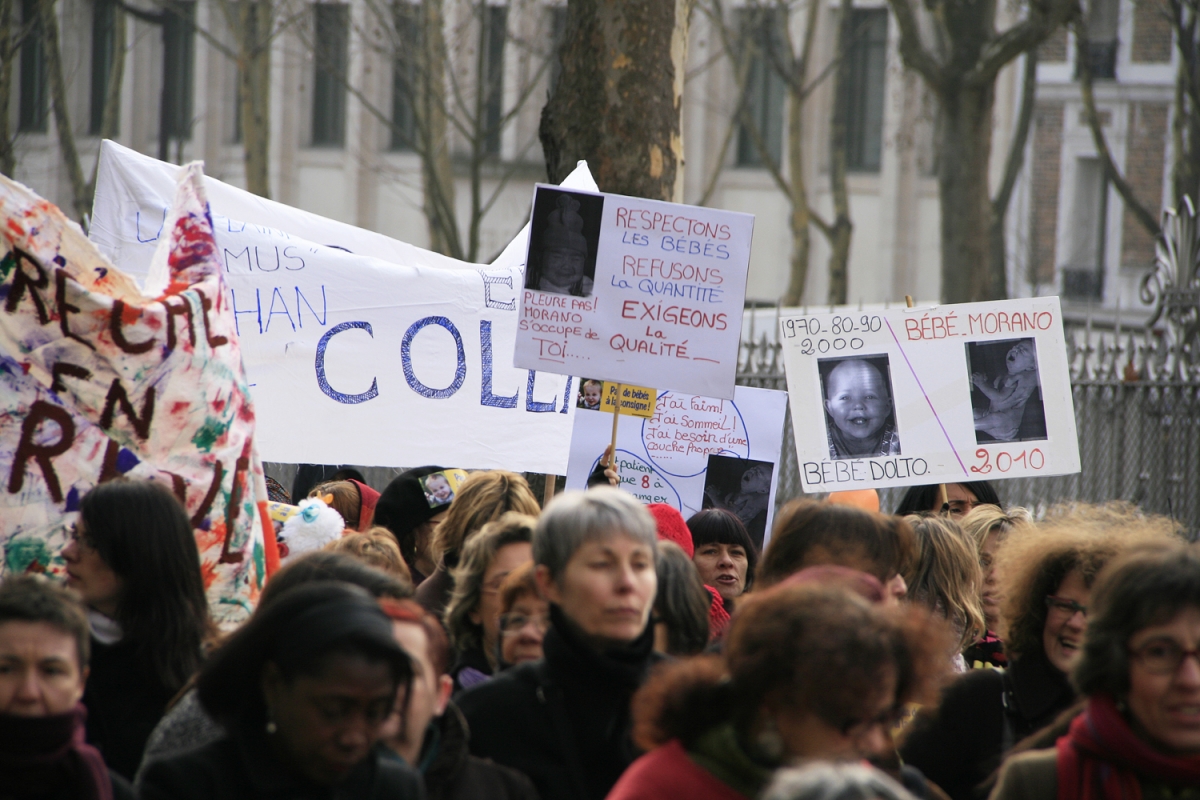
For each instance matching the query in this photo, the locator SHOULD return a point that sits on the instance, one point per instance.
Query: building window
(179, 58)
(1102, 21)
(33, 105)
(331, 49)
(1083, 274)
(764, 51)
(864, 102)
(103, 42)
(493, 32)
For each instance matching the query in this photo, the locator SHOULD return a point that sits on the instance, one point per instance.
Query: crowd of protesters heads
(1045, 577)
(457, 641)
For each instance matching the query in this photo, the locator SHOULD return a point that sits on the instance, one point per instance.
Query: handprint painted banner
(98, 381)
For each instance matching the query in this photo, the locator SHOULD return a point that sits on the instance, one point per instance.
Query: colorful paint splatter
(97, 381)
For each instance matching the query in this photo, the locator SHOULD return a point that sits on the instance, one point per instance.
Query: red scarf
(35, 752)
(1101, 758)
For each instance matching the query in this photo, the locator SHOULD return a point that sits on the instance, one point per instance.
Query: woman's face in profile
(325, 724)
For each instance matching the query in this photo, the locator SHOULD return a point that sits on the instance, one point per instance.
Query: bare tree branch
(1132, 203)
(914, 53)
(1016, 151)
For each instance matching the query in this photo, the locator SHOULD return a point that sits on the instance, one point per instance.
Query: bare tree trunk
(436, 172)
(111, 118)
(966, 149)
(800, 218)
(843, 228)
(618, 99)
(1185, 124)
(9, 38)
(1146, 219)
(1012, 168)
(80, 194)
(962, 72)
(254, 91)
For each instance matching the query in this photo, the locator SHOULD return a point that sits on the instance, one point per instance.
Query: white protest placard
(695, 452)
(351, 358)
(943, 394)
(632, 290)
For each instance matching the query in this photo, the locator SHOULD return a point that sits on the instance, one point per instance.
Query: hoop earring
(270, 726)
(769, 742)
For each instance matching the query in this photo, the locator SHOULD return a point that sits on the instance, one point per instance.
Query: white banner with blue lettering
(361, 349)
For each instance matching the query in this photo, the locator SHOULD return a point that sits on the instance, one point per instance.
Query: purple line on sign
(927, 400)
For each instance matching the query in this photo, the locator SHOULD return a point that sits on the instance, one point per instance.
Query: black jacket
(564, 721)
(124, 700)
(981, 716)
(243, 768)
(452, 773)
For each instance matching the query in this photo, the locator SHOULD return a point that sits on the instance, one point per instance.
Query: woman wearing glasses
(133, 560)
(1046, 574)
(1139, 733)
(473, 614)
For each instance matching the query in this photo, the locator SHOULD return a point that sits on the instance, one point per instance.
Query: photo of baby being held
(860, 415)
(1006, 397)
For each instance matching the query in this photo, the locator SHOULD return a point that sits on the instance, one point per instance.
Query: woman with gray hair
(565, 720)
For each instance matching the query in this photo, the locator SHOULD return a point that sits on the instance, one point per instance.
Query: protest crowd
(181, 625)
(467, 643)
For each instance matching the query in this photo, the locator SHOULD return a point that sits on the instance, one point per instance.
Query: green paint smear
(22, 554)
(260, 564)
(208, 434)
(6, 266)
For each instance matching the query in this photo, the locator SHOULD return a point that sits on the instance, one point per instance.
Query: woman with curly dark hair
(1046, 574)
(1139, 733)
(809, 672)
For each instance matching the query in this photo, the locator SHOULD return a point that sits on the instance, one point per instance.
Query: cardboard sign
(635, 401)
(905, 397)
(98, 381)
(626, 289)
(695, 452)
(353, 359)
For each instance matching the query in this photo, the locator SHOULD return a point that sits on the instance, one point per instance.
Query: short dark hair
(143, 534)
(325, 565)
(836, 534)
(28, 598)
(682, 602)
(721, 526)
(1146, 586)
(928, 498)
(297, 633)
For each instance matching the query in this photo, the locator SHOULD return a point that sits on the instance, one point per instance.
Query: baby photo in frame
(860, 413)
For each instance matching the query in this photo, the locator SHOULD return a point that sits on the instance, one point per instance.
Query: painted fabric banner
(360, 349)
(98, 381)
(944, 394)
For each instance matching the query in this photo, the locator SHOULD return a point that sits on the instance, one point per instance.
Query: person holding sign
(859, 406)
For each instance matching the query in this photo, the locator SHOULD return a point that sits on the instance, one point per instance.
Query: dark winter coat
(981, 716)
(565, 720)
(452, 773)
(242, 767)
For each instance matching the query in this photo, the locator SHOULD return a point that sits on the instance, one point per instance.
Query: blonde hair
(984, 519)
(375, 546)
(477, 555)
(1035, 559)
(946, 575)
(483, 497)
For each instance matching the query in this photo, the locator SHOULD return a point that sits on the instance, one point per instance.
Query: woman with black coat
(302, 691)
(565, 720)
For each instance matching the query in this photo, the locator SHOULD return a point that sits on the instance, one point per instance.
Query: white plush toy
(313, 525)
